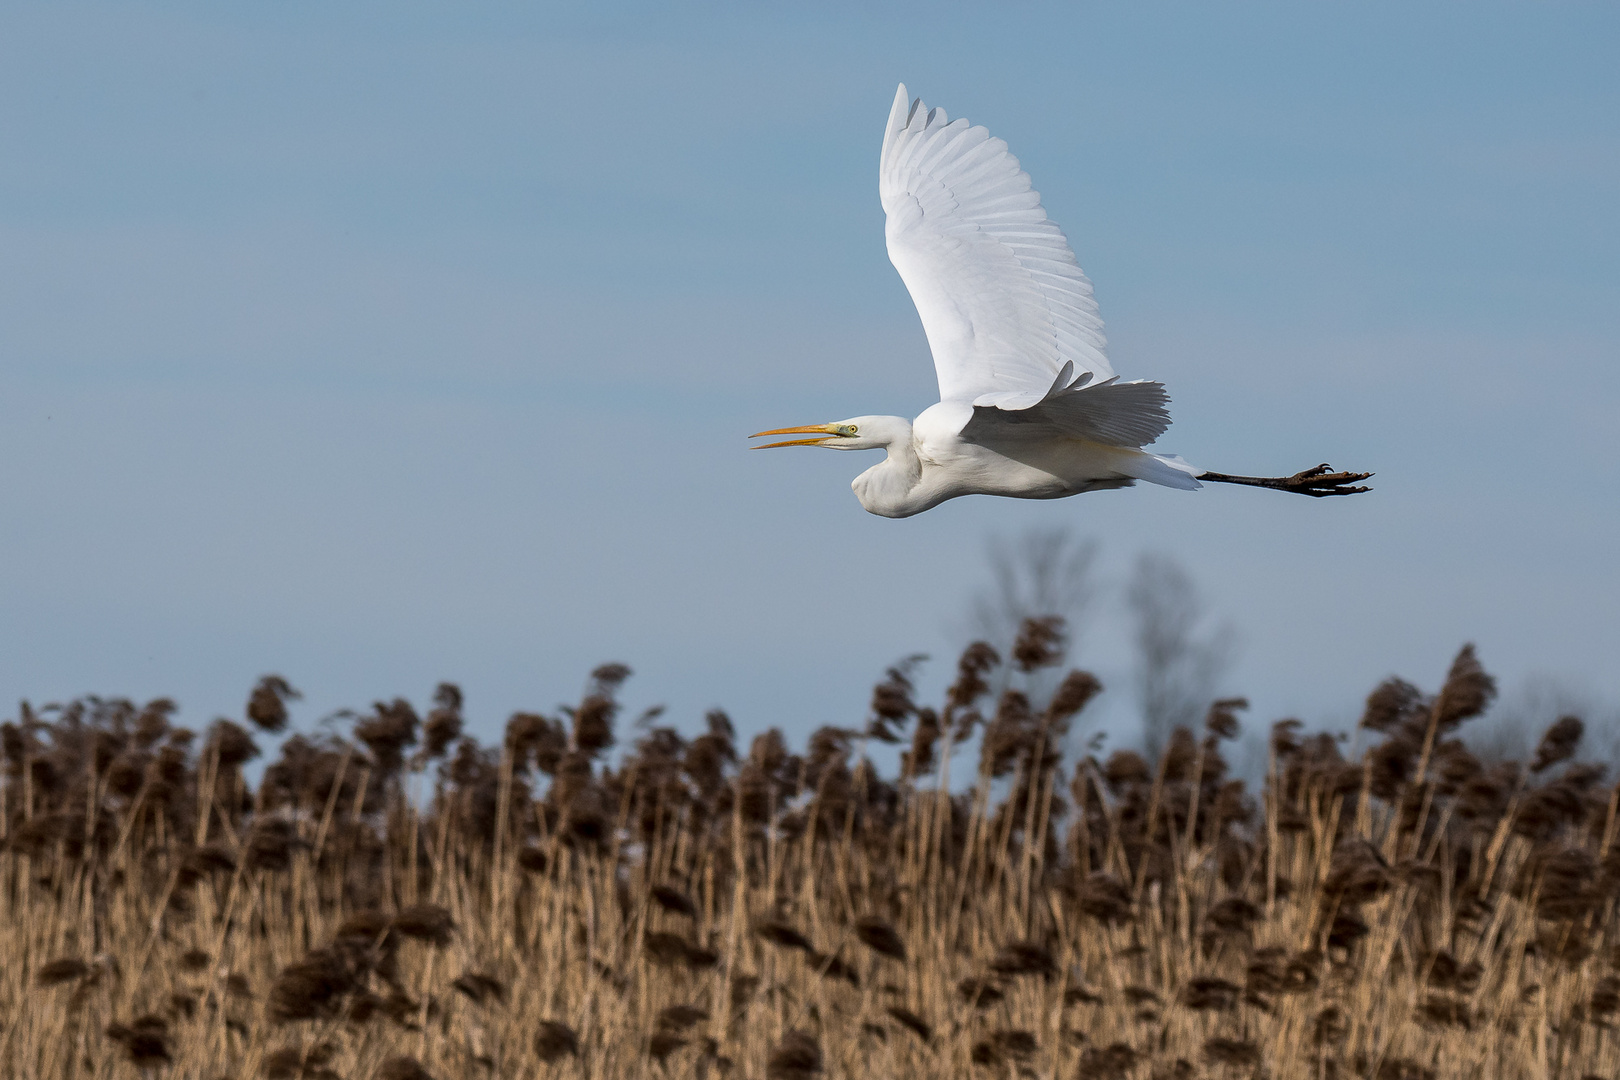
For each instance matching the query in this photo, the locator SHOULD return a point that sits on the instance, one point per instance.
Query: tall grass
(401, 902)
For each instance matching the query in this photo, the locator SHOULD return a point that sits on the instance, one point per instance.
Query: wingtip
(899, 117)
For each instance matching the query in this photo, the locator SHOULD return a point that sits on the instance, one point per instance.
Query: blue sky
(378, 344)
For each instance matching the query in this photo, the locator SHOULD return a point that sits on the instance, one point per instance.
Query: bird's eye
(854, 430)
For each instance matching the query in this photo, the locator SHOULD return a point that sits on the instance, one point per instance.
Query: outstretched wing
(1009, 315)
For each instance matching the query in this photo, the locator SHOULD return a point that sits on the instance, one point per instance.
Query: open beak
(827, 433)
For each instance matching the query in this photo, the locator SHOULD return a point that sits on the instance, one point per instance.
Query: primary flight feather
(1029, 406)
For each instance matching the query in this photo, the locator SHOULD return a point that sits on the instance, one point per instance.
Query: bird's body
(1029, 405)
(929, 461)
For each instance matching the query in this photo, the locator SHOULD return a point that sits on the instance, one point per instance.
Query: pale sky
(379, 344)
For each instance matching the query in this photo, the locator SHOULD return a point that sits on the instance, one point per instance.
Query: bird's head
(856, 433)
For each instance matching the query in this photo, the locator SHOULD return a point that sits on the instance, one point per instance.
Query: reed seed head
(882, 938)
(783, 935)
(425, 922)
(267, 704)
(402, 1067)
(912, 1022)
(554, 1041)
(480, 987)
(674, 900)
(796, 1057)
(1559, 743)
(64, 970)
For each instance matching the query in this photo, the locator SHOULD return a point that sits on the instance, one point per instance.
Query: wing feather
(1116, 413)
(1006, 307)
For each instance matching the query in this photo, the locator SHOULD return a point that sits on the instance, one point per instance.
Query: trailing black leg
(1316, 482)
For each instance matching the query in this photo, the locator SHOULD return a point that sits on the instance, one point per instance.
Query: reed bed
(400, 902)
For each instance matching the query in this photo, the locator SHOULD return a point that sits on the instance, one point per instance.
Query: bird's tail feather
(1166, 470)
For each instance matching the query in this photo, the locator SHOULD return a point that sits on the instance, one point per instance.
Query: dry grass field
(400, 902)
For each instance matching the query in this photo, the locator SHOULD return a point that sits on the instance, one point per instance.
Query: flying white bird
(1029, 405)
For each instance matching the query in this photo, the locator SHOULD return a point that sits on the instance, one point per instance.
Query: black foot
(1316, 482)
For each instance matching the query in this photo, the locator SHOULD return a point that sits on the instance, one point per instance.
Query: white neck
(890, 488)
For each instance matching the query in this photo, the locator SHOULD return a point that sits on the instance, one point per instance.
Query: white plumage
(1029, 405)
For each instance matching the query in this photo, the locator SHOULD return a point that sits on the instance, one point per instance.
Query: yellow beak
(826, 431)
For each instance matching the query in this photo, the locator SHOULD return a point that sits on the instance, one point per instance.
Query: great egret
(1029, 406)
